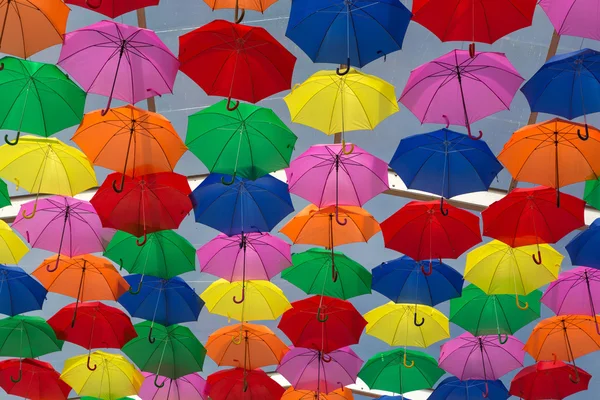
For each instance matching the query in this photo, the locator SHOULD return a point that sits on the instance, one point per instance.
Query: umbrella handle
(19, 135)
(107, 109)
(501, 340)
(334, 274)
(415, 320)
(93, 6)
(347, 152)
(443, 211)
(137, 291)
(537, 260)
(245, 387)
(143, 242)
(525, 307)
(471, 135)
(472, 50)
(577, 378)
(241, 300)
(1, 66)
(584, 138)
(326, 358)
(228, 183)
(447, 120)
(24, 213)
(345, 71)
(487, 391)
(89, 366)
(406, 364)
(114, 184)
(237, 339)
(337, 217)
(230, 107)
(427, 273)
(156, 381)
(150, 338)
(120, 264)
(55, 266)
(241, 17)
(13, 380)
(325, 317)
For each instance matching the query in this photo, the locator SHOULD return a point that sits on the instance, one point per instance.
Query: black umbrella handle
(343, 72)
(584, 138)
(13, 380)
(89, 365)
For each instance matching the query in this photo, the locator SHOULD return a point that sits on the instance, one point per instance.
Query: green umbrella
(37, 98)
(250, 141)
(312, 272)
(4, 196)
(401, 371)
(174, 353)
(591, 194)
(483, 314)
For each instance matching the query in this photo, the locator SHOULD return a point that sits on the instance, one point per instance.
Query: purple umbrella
(308, 369)
(188, 387)
(326, 176)
(574, 17)
(456, 89)
(121, 61)
(64, 225)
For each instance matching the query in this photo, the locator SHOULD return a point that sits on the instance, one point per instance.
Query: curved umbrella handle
(137, 291)
(447, 120)
(584, 138)
(120, 264)
(471, 135)
(228, 183)
(143, 242)
(344, 72)
(501, 340)
(237, 339)
(427, 273)
(24, 213)
(525, 307)
(487, 391)
(150, 338)
(13, 380)
(406, 364)
(319, 318)
(577, 378)
(16, 141)
(89, 366)
(538, 260)
(555, 357)
(344, 150)
(326, 358)
(1, 66)
(55, 266)
(156, 381)
(245, 387)
(241, 300)
(107, 109)
(334, 274)
(114, 184)
(241, 17)
(472, 50)
(337, 217)
(93, 6)
(230, 107)
(415, 320)
(443, 211)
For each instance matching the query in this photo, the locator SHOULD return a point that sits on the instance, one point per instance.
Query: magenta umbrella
(120, 61)
(574, 17)
(457, 89)
(308, 369)
(188, 387)
(325, 175)
(63, 225)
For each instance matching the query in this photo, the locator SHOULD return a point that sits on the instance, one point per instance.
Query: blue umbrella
(243, 206)
(453, 388)
(19, 292)
(351, 32)
(164, 301)
(583, 248)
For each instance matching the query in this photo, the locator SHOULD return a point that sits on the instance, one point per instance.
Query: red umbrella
(39, 382)
(424, 230)
(147, 203)
(113, 8)
(238, 383)
(236, 61)
(548, 380)
(322, 323)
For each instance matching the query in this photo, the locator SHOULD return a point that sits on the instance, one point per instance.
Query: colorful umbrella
(453, 388)
(250, 141)
(572, 18)
(240, 383)
(591, 193)
(188, 387)
(212, 57)
(548, 380)
(120, 61)
(39, 380)
(583, 248)
(19, 292)
(338, 394)
(12, 248)
(4, 195)
(457, 89)
(256, 5)
(113, 8)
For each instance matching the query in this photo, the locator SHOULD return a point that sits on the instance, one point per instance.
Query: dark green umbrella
(250, 141)
(312, 272)
(4, 196)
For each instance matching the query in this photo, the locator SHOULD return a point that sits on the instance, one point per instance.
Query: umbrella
(332, 103)
(256, 5)
(117, 60)
(32, 26)
(548, 380)
(552, 153)
(572, 18)
(338, 394)
(12, 248)
(322, 323)
(19, 292)
(39, 380)
(311, 272)
(188, 387)
(457, 89)
(113, 8)
(350, 33)
(115, 377)
(250, 141)
(400, 371)
(397, 325)
(254, 206)
(239, 383)
(246, 346)
(583, 248)
(425, 230)
(166, 254)
(212, 57)
(453, 388)
(130, 139)
(147, 203)
(483, 314)
(4, 195)
(591, 193)
(38, 98)
(309, 369)
(258, 300)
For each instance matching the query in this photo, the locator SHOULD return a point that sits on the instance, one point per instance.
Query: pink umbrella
(456, 89)
(308, 369)
(188, 387)
(64, 225)
(574, 17)
(121, 61)
(325, 175)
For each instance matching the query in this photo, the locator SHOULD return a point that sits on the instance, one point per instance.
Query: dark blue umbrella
(243, 206)
(19, 292)
(351, 32)
(453, 388)
(583, 248)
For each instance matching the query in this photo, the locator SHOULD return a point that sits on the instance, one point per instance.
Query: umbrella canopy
(112, 8)
(338, 394)
(39, 380)
(19, 292)
(240, 383)
(12, 248)
(4, 195)
(188, 387)
(591, 193)
(583, 248)
(572, 18)
(256, 5)
(27, 337)
(548, 380)
(574, 292)
(453, 388)
(350, 33)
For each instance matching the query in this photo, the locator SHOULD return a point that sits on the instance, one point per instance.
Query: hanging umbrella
(250, 141)
(32, 26)
(405, 280)
(4, 195)
(249, 301)
(425, 230)
(254, 206)
(322, 323)
(117, 60)
(311, 273)
(239, 383)
(188, 387)
(37, 98)
(129, 139)
(572, 18)
(256, 5)
(113, 8)
(19, 292)
(147, 203)
(548, 380)
(583, 248)
(400, 371)
(398, 325)
(212, 57)
(453, 388)
(338, 394)
(39, 380)
(12, 248)
(591, 193)
(246, 346)
(332, 103)
(115, 377)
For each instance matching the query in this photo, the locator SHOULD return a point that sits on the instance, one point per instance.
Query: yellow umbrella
(114, 377)
(332, 103)
(257, 300)
(407, 324)
(12, 248)
(497, 268)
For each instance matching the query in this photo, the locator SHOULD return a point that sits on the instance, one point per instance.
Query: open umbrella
(39, 380)
(548, 380)
(113, 8)
(338, 394)
(256, 5)
(591, 193)
(4, 195)
(473, 389)
(19, 292)
(12, 248)
(240, 383)
(583, 248)
(188, 387)
(573, 17)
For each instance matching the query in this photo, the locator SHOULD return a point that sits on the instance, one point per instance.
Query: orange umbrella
(31, 26)
(129, 139)
(256, 5)
(339, 394)
(554, 153)
(246, 346)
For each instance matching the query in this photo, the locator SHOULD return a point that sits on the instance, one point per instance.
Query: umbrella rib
(36, 81)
